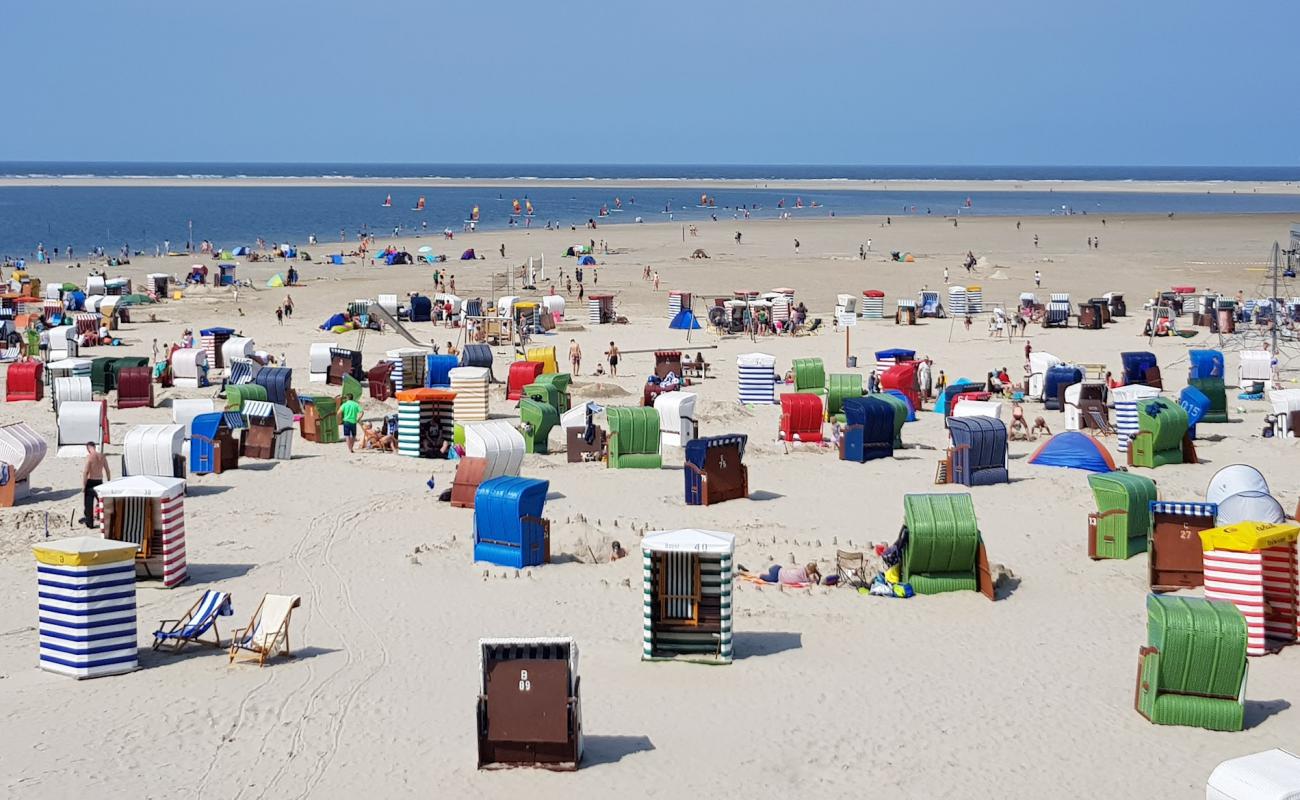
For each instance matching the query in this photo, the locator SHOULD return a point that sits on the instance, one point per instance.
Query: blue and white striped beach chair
(201, 618)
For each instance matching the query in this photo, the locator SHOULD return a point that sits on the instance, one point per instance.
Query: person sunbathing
(386, 443)
(807, 574)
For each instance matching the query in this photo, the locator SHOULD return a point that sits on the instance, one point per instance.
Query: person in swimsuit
(612, 355)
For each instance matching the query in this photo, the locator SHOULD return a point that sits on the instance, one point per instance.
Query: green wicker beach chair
(1122, 524)
(1162, 426)
(237, 395)
(541, 417)
(543, 393)
(1193, 670)
(944, 551)
(809, 376)
(561, 381)
(633, 437)
(839, 387)
(1213, 389)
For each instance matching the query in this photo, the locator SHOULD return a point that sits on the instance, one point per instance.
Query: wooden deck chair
(174, 634)
(267, 634)
(1098, 423)
(850, 566)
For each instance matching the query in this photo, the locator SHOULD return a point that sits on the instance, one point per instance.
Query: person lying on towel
(793, 576)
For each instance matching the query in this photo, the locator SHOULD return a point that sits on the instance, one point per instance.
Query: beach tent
(1245, 507)
(978, 456)
(80, 422)
(275, 281)
(155, 451)
(633, 438)
(677, 423)
(1162, 427)
(86, 619)
(471, 387)
(684, 320)
(468, 255)
(149, 513)
(270, 431)
(1192, 670)
(553, 304)
(509, 530)
(536, 723)
(1253, 566)
(714, 469)
(1056, 380)
(21, 451)
(686, 590)
(189, 368)
(869, 429)
(1073, 450)
(1234, 479)
(757, 378)
(424, 421)
(587, 261)
(1122, 523)
(944, 551)
(213, 340)
(213, 446)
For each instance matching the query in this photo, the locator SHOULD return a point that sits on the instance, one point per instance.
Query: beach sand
(831, 691)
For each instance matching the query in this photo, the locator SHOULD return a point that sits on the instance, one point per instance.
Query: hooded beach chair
(202, 617)
(267, 634)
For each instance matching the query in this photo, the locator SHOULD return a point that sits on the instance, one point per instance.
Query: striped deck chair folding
(267, 634)
(202, 617)
(1099, 425)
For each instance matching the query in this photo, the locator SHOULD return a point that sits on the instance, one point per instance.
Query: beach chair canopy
(870, 430)
(508, 527)
(979, 456)
(943, 543)
(690, 540)
(499, 443)
(22, 448)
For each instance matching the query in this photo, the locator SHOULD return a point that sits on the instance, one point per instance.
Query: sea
(143, 218)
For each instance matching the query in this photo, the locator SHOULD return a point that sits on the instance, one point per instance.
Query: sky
(947, 82)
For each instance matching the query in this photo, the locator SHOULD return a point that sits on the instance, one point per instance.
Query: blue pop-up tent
(684, 321)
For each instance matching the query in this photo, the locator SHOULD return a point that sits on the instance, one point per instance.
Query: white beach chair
(268, 632)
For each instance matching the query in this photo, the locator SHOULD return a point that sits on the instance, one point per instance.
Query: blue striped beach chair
(201, 618)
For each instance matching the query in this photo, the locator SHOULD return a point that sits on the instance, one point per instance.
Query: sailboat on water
(618, 205)
(798, 202)
(473, 216)
(388, 202)
(419, 204)
(604, 211)
(528, 207)
(514, 208)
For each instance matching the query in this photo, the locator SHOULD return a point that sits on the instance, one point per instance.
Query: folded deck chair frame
(263, 638)
(850, 566)
(174, 634)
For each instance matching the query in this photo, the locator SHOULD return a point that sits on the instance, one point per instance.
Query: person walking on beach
(1038, 279)
(796, 247)
(868, 244)
(945, 276)
(862, 252)
(656, 279)
(737, 237)
(1035, 240)
(580, 291)
(503, 249)
(350, 411)
(93, 474)
(279, 315)
(575, 357)
(612, 355)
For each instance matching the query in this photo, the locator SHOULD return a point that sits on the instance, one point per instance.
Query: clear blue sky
(1142, 82)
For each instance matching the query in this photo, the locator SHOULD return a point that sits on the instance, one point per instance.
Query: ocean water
(145, 217)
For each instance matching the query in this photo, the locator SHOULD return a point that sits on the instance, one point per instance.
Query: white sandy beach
(831, 691)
